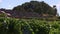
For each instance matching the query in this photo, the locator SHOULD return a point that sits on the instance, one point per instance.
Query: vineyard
(28, 26)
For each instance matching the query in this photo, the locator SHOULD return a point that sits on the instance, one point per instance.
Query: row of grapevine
(28, 26)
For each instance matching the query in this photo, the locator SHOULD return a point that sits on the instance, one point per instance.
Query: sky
(9, 4)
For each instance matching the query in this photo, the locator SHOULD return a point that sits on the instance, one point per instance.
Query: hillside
(31, 9)
(30, 18)
(37, 7)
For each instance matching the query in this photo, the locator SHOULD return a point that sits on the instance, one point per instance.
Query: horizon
(10, 4)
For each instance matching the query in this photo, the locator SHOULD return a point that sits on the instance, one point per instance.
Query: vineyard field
(28, 26)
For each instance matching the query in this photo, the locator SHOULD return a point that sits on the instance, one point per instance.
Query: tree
(35, 6)
(54, 7)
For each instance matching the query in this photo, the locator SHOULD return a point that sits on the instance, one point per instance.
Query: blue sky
(9, 4)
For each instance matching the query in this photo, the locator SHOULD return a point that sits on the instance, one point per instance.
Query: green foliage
(2, 15)
(35, 6)
(28, 26)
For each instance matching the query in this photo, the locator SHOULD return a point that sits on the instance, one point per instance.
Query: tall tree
(35, 6)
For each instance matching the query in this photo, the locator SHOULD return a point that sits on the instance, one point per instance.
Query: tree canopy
(35, 6)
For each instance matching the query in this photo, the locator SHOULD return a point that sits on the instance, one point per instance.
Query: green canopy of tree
(35, 6)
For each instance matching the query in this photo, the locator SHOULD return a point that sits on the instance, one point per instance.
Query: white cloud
(58, 5)
(0, 1)
(9, 6)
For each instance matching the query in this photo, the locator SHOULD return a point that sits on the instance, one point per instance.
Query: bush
(28, 26)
